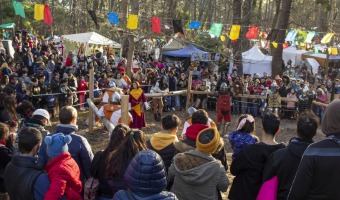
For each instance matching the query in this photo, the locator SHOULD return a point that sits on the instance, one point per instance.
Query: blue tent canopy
(185, 52)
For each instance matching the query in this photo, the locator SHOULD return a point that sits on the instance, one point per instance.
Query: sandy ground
(98, 139)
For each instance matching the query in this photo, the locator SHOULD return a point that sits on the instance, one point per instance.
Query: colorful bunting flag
(39, 11)
(291, 35)
(94, 17)
(222, 38)
(310, 36)
(252, 33)
(19, 9)
(132, 22)
(48, 19)
(327, 38)
(329, 50)
(316, 50)
(216, 29)
(177, 24)
(194, 24)
(235, 32)
(334, 51)
(275, 44)
(156, 24)
(285, 45)
(113, 18)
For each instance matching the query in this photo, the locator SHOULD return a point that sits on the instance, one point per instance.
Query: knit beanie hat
(331, 119)
(57, 144)
(208, 140)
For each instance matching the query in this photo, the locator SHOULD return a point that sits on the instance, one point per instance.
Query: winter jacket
(6, 157)
(79, 149)
(196, 175)
(25, 180)
(247, 168)
(239, 140)
(163, 144)
(82, 87)
(318, 174)
(284, 163)
(64, 176)
(55, 85)
(146, 179)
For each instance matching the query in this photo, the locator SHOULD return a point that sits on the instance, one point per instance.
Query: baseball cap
(44, 113)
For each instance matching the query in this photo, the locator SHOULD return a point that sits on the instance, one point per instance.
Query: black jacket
(6, 157)
(166, 154)
(247, 168)
(20, 176)
(318, 174)
(284, 164)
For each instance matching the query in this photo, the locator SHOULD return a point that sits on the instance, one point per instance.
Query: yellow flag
(132, 22)
(329, 50)
(327, 38)
(235, 32)
(334, 51)
(137, 109)
(222, 38)
(274, 44)
(39, 11)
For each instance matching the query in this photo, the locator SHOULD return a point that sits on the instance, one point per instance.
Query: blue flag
(113, 18)
(194, 24)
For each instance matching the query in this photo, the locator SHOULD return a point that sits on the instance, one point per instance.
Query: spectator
(196, 174)
(321, 183)
(145, 164)
(83, 86)
(80, 149)
(284, 163)
(13, 81)
(9, 113)
(63, 172)
(98, 165)
(24, 178)
(4, 82)
(243, 135)
(163, 142)
(248, 166)
(5, 155)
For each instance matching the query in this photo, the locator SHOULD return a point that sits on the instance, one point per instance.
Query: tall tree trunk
(323, 16)
(259, 9)
(246, 20)
(236, 46)
(282, 25)
(277, 12)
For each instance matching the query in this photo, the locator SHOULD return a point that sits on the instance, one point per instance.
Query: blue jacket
(146, 178)
(79, 149)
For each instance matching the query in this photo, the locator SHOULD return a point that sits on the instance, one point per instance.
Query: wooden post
(124, 102)
(189, 90)
(91, 95)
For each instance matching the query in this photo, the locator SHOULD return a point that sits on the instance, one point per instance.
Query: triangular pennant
(334, 51)
(113, 18)
(275, 44)
(310, 36)
(327, 38)
(252, 33)
(216, 29)
(194, 24)
(94, 17)
(156, 24)
(235, 32)
(177, 24)
(39, 11)
(48, 19)
(19, 9)
(132, 22)
(291, 35)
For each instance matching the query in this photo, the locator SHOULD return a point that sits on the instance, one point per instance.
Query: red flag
(252, 33)
(156, 24)
(48, 19)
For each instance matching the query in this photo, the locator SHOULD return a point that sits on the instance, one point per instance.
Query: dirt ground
(98, 139)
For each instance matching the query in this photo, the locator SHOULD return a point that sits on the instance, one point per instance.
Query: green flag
(216, 29)
(310, 36)
(19, 9)
(316, 49)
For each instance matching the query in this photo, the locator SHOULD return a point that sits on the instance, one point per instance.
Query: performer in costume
(161, 86)
(274, 99)
(305, 100)
(223, 107)
(137, 101)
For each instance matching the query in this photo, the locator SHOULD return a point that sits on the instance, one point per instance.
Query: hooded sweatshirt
(196, 175)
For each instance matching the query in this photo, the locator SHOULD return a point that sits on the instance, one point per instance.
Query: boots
(159, 117)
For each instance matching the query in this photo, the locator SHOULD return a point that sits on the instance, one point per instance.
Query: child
(82, 87)
(243, 135)
(62, 170)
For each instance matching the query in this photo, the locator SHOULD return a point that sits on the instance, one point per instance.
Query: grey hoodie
(196, 175)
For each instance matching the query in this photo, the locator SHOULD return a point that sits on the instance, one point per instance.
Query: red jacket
(64, 175)
(82, 87)
(68, 62)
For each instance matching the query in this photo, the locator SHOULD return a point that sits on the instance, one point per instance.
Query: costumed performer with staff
(137, 101)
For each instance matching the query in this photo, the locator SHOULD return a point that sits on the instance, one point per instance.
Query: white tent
(291, 53)
(254, 61)
(172, 45)
(92, 38)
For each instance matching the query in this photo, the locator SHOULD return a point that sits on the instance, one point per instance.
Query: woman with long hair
(9, 112)
(98, 165)
(118, 160)
(137, 101)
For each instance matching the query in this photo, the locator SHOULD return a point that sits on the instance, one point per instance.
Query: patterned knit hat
(57, 144)
(208, 140)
